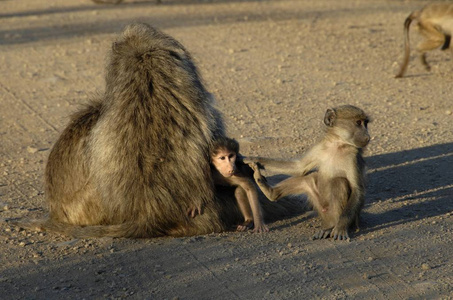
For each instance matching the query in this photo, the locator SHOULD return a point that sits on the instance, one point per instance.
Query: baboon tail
(126, 230)
(407, 24)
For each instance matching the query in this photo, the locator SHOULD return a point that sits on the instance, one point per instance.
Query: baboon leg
(435, 39)
(447, 42)
(333, 202)
(343, 208)
(244, 206)
(291, 186)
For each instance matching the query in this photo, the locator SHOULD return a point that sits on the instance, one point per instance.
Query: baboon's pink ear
(329, 117)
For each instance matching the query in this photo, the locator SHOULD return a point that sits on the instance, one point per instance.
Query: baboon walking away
(435, 24)
(331, 174)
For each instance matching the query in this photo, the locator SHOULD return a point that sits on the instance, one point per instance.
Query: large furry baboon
(331, 174)
(435, 24)
(135, 162)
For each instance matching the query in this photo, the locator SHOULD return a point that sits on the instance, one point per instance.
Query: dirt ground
(275, 66)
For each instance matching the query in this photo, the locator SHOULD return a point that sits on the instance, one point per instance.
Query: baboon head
(224, 154)
(349, 123)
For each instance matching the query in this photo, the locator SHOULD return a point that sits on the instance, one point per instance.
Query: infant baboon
(228, 169)
(331, 174)
(435, 23)
(135, 162)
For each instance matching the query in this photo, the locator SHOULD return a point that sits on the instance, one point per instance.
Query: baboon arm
(252, 195)
(289, 167)
(308, 162)
(258, 219)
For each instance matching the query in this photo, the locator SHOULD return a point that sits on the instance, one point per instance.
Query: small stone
(448, 112)
(426, 266)
(32, 149)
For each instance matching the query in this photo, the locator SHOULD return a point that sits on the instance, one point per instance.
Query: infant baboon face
(225, 162)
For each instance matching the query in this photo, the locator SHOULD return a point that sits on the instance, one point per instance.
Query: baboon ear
(329, 117)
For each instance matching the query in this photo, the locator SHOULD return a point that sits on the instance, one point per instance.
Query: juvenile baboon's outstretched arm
(289, 167)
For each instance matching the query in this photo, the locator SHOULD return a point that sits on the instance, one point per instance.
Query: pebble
(32, 149)
(425, 266)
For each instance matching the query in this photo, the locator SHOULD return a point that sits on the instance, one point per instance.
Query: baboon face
(361, 136)
(225, 162)
(350, 124)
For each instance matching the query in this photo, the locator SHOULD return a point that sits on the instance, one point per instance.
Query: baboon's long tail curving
(407, 24)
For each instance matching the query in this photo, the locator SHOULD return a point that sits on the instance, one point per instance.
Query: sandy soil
(275, 67)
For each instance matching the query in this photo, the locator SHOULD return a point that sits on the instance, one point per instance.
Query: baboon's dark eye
(222, 157)
(359, 123)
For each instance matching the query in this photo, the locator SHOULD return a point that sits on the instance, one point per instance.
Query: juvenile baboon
(229, 170)
(435, 23)
(135, 163)
(331, 174)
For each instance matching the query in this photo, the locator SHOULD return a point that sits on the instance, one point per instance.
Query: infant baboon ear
(330, 116)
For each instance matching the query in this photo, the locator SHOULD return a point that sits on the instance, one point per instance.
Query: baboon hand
(259, 179)
(194, 211)
(340, 234)
(250, 160)
(245, 226)
(322, 234)
(259, 228)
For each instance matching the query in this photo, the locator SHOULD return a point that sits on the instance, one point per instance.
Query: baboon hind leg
(434, 39)
(335, 195)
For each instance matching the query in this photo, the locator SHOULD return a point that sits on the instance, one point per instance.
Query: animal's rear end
(407, 24)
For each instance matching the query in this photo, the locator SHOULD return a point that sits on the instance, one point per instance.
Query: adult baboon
(135, 163)
(435, 23)
(332, 173)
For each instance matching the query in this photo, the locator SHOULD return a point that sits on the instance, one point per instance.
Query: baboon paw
(260, 228)
(245, 226)
(322, 234)
(340, 234)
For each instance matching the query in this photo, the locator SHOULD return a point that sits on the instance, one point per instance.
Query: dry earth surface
(275, 66)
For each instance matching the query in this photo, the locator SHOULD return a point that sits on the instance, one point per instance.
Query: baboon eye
(222, 157)
(359, 123)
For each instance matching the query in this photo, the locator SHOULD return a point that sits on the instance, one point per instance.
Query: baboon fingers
(260, 228)
(322, 234)
(194, 211)
(245, 226)
(340, 234)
